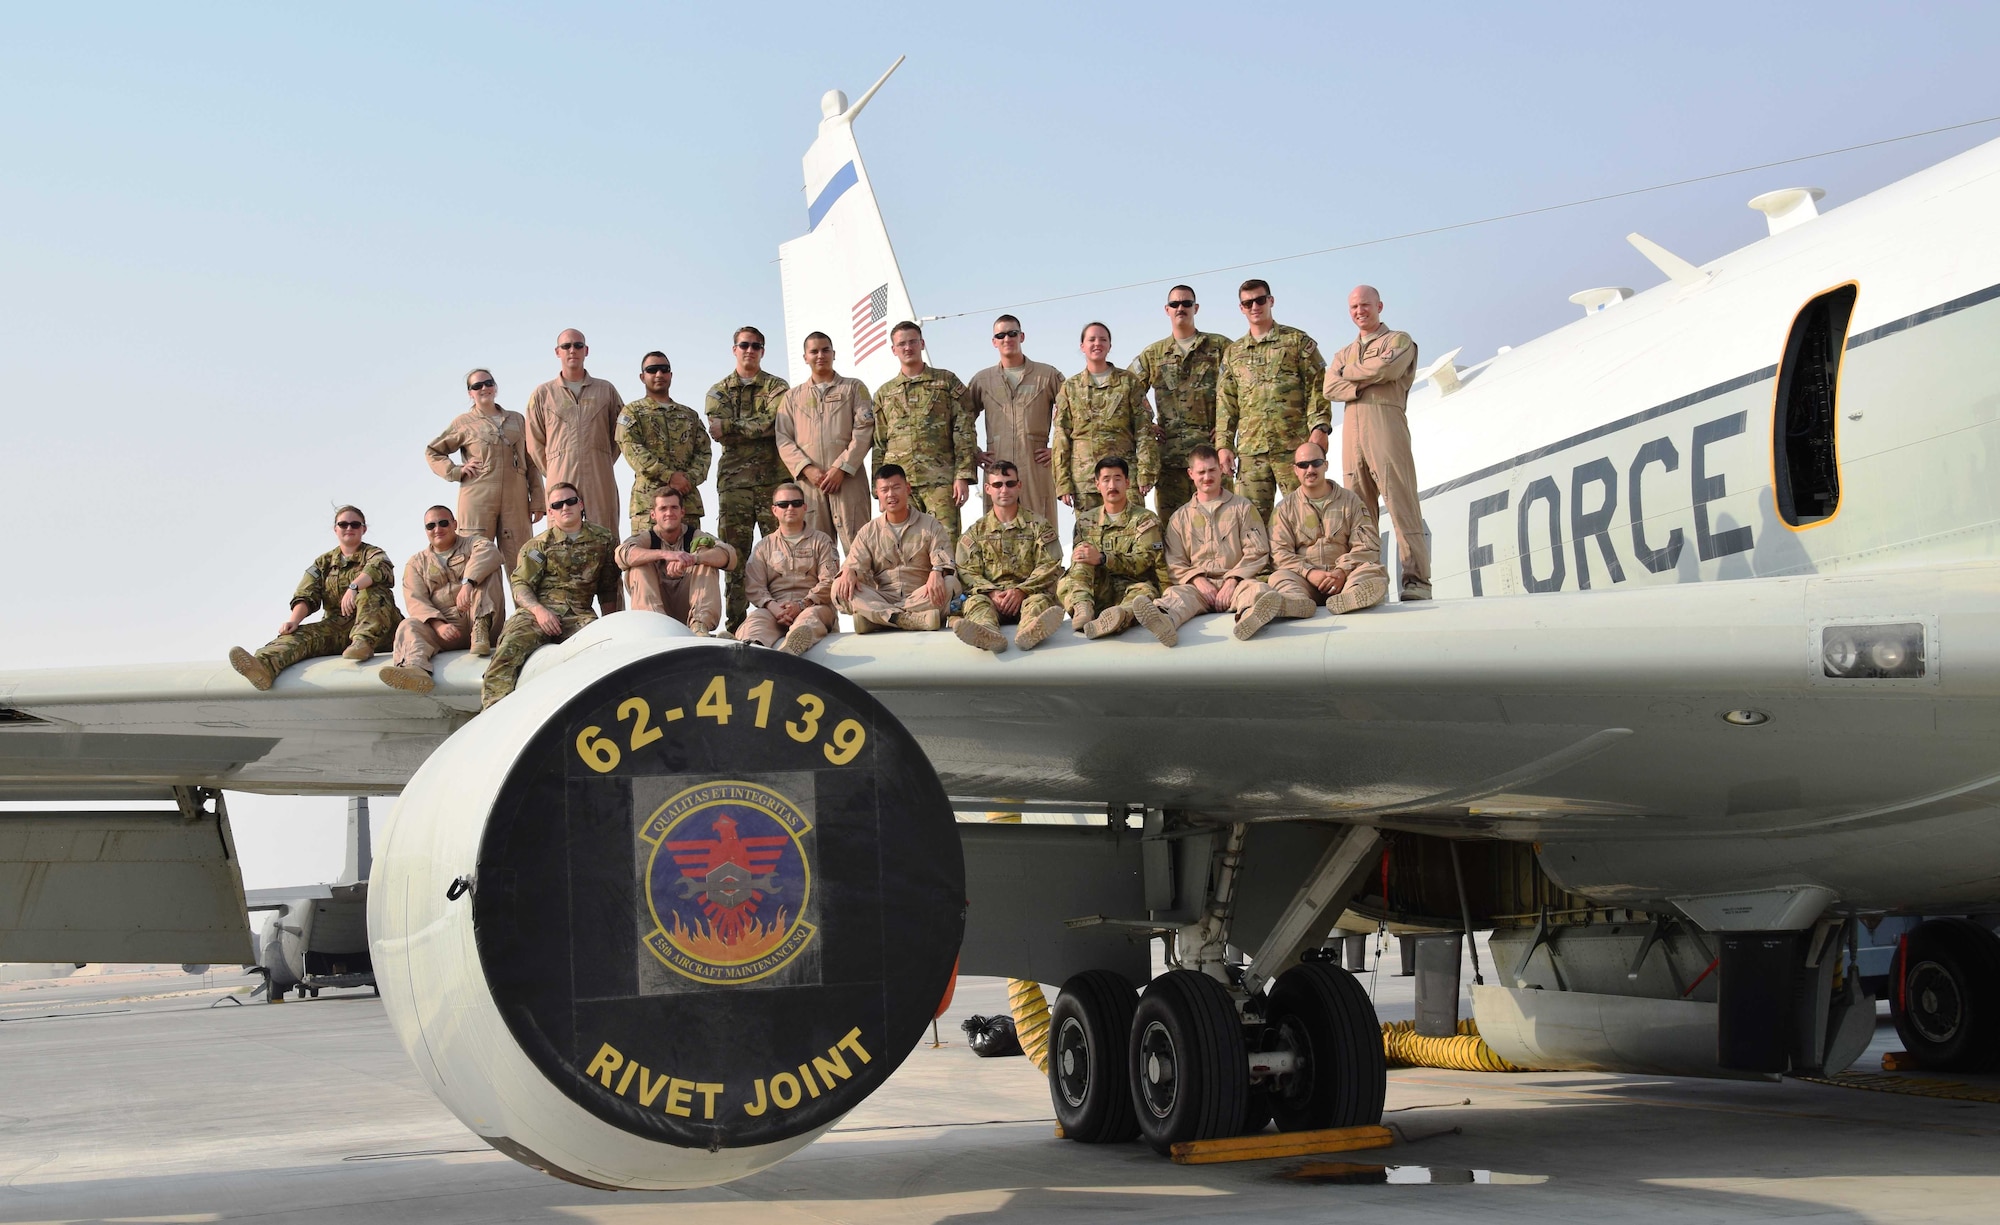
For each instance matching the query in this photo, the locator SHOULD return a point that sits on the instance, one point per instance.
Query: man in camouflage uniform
(1182, 371)
(355, 577)
(1268, 400)
(1009, 563)
(452, 589)
(560, 572)
(923, 423)
(671, 567)
(1101, 411)
(743, 416)
(664, 442)
(1120, 557)
(1372, 378)
(1323, 544)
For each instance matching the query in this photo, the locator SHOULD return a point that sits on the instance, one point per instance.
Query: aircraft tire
(1321, 1014)
(1948, 1009)
(1190, 1066)
(1089, 1079)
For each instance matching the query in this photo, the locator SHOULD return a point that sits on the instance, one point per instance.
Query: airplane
(665, 914)
(316, 936)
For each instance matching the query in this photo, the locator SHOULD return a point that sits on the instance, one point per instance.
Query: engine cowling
(668, 912)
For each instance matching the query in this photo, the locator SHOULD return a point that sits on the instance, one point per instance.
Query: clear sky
(246, 253)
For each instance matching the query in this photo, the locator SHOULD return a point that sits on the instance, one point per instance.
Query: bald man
(1372, 378)
(1324, 549)
(573, 427)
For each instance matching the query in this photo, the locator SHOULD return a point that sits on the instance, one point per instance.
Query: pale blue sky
(247, 251)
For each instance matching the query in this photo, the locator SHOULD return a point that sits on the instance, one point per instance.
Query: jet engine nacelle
(668, 912)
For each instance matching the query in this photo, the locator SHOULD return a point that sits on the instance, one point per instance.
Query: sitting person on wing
(560, 572)
(1324, 544)
(1119, 557)
(790, 579)
(452, 590)
(355, 578)
(670, 570)
(1009, 564)
(900, 573)
(1217, 550)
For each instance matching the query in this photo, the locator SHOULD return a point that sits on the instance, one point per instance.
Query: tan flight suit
(1268, 400)
(430, 593)
(1333, 533)
(890, 563)
(1219, 542)
(1092, 422)
(574, 438)
(502, 502)
(694, 599)
(781, 570)
(1017, 425)
(833, 429)
(1372, 377)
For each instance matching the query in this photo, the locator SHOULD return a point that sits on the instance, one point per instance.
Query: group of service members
(1230, 425)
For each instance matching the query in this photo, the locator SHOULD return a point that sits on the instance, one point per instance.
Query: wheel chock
(1267, 1145)
(1898, 1061)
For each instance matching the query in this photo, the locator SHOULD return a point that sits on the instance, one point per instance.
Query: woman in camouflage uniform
(355, 584)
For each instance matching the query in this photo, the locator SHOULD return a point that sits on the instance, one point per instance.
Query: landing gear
(1947, 1009)
(1089, 1074)
(1189, 1064)
(1327, 1065)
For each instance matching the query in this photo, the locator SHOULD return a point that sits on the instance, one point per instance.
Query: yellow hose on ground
(1025, 1000)
(1466, 1052)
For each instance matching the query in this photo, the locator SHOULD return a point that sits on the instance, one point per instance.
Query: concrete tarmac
(138, 1098)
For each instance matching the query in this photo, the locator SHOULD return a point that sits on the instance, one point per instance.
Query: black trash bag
(991, 1037)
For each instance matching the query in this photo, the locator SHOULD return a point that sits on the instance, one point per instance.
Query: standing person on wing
(1101, 411)
(1218, 551)
(900, 573)
(1268, 400)
(572, 429)
(1119, 558)
(1372, 378)
(499, 483)
(561, 572)
(1323, 544)
(923, 422)
(665, 444)
(671, 568)
(1017, 397)
(743, 417)
(452, 590)
(1009, 564)
(353, 584)
(824, 431)
(1182, 372)
(790, 579)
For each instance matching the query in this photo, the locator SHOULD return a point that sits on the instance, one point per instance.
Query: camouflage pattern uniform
(1134, 565)
(659, 440)
(1183, 387)
(746, 417)
(999, 556)
(923, 422)
(561, 575)
(321, 588)
(1268, 400)
(1092, 422)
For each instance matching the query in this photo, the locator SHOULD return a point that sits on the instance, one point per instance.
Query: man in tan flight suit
(1017, 397)
(742, 414)
(1217, 550)
(825, 428)
(899, 573)
(664, 442)
(1268, 399)
(1101, 411)
(452, 592)
(1182, 372)
(572, 430)
(499, 483)
(923, 424)
(1323, 543)
(1372, 377)
(670, 568)
(790, 579)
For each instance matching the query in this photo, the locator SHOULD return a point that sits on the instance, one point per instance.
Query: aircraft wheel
(1088, 1076)
(1948, 1010)
(1322, 1018)
(1189, 1064)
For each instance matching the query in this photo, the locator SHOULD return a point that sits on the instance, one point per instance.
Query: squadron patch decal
(728, 882)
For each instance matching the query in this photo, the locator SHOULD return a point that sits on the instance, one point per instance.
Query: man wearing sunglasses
(1119, 557)
(923, 423)
(560, 573)
(1268, 400)
(790, 579)
(452, 589)
(572, 428)
(1324, 545)
(825, 429)
(664, 443)
(670, 568)
(1018, 397)
(900, 572)
(1009, 564)
(350, 585)
(1372, 377)
(1182, 372)
(742, 414)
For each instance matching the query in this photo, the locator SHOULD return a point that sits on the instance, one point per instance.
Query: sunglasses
(1003, 484)
(751, 345)
(572, 344)
(565, 502)
(656, 368)
(481, 385)
(439, 526)
(790, 504)
(1180, 304)
(349, 525)
(1009, 334)
(1308, 465)
(1262, 299)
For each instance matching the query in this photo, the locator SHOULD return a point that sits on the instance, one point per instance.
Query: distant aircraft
(1751, 704)
(316, 936)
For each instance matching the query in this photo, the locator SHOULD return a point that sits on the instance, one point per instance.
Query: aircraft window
(1806, 466)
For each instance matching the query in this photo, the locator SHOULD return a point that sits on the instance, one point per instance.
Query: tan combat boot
(1157, 622)
(482, 636)
(416, 680)
(1298, 607)
(804, 632)
(862, 625)
(928, 619)
(1034, 633)
(254, 670)
(1081, 616)
(978, 634)
(1110, 623)
(1258, 615)
(359, 650)
(1359, 594)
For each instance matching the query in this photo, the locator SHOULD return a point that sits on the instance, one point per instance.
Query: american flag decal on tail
(871, 322)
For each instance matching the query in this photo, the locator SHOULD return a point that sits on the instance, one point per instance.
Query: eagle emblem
(728, 882)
